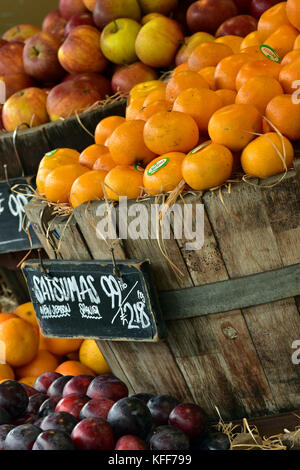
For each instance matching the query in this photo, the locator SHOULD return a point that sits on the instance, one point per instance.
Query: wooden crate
(239, 360)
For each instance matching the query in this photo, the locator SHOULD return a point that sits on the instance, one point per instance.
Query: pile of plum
(95, 413)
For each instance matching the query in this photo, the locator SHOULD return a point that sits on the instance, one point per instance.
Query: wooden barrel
(33, 143)
(230, 350)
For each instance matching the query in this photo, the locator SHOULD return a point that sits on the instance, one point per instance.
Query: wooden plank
(39, 213)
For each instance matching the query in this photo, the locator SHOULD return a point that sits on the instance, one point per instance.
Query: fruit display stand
(229, 332)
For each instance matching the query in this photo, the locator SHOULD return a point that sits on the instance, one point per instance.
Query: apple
(258, 7)
(157, 6)
(21, 32)
(81, 51)
(150, 17)
(90, 4)
(106, 11)
(96, 80)
(243, 5)
(79, 20)
(11, 58)
(69, 8)
(127, 77)
(71, 97)
(158, 41)
(55, 24)
(118, 40)
(15, 82)
(207, 15)
(2, 42)
(28, 105)
(179, 14)
(40, 58)
(189, 45)
(240, 25)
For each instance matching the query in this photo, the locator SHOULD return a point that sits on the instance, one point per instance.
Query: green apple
(118, 40)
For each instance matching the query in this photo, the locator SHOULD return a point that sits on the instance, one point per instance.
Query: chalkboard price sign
(85, 299)
(12, 235)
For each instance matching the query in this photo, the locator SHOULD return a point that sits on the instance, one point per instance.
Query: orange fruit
(88, 187)
(207, 166)
(126, 144)
(259, 91)
(257, 68)
(106, 127)
(164, 173)
(133, 109)
(74, 368)
(28, 381)
(91, 356)
(59, 182)
(283, 39)
(51, 161)
(272, 19)
(156, 95)
(182, 81)
(285, 115)
(91, 154)
(234, 125)
(292, 11)
(153, 108)
(252, 39)
(227, 96)
(234, 42)
(104, 163)
(126, 181)
(6, 316)
(261, 158)
(62, 346)
(199, 104)
(142, 90)
(228, 68)
(43, 362)
(297, 42)
(21, 341)
(290, 57)
(254, 51)
(27, 313)
(208, 73)
(289, 76)
(6, 372)
(208, 54)
(171, 132)
(181, 68)
(43, 341)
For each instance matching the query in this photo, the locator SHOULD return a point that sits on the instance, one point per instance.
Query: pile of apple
(88, 49)
(95, 413)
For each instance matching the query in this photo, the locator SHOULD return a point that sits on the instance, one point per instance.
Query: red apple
(96, 80)
(11, 58)
(243, 5)
(179, 14)
(258, 7)
(55, 24)
(40, 58)
(21, 32)
(90, 4)
(240, 25)
(79, 20)
(69, 8)
(28, 105)
(106, 11)
(128, 76)
(15, 82)
(2, 42)
(81, 51)
(71, 97)
(207, 15)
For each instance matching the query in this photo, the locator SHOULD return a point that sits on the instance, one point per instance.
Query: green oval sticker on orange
(51, 153)
(199, 147)
(270, 53)
(138, 167)
(157, 166)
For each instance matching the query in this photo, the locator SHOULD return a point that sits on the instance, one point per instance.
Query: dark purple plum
(96, 408)
(30, 391)
(131, 443)
(44, 381)
(160, 408)
(190, 418)
(38, 422)
(35, 402)
(53, 440)
(4, 430)
(5, 417)
(130, 416)
(111, 388)
(48, 406)
(57, 387)
(214, 441)
(168, 438)
(72, 404)
(145, 397)
(13, 398)
(93, 434)
(78, 385)
(22, 437)
(27, 418)
(59, 420)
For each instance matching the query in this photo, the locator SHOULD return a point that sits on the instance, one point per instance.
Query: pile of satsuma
(25, 353)
(227, 106)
